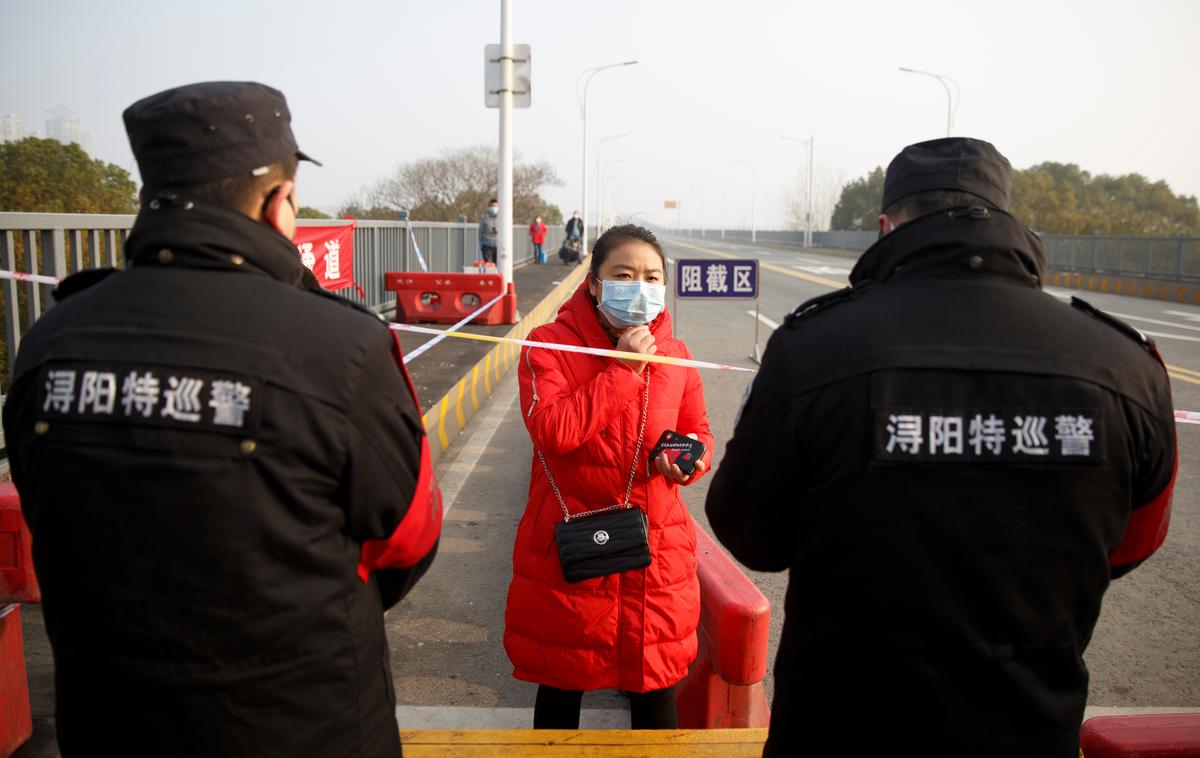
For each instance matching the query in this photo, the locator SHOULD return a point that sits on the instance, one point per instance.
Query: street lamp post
(586, 78)
(808, 214)
(599, 151)
(753, 196)
(601, 172)
(951, 101)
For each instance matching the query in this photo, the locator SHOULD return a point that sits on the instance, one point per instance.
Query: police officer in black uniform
(223, 466)
(952, 465)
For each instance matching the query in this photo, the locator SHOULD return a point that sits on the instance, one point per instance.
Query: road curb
(1145, 288)
(449, 416)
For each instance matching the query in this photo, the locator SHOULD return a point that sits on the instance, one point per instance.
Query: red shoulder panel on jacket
(1147, 527)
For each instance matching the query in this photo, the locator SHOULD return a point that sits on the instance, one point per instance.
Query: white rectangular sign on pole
(492, 80)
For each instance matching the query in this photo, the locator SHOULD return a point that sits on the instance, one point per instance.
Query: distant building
(63, 125)
(12, 128)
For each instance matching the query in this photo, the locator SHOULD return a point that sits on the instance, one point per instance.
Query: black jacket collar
(955, 240)
(209, 237)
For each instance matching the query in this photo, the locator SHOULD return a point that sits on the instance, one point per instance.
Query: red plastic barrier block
(1157, 735)
(448, 298)
(723, 688)
(16, 720)
(735, 613)
(18, 583)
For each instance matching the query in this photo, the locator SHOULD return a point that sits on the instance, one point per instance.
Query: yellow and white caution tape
(620, 354)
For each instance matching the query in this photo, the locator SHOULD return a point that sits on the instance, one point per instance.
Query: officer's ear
(279, 209)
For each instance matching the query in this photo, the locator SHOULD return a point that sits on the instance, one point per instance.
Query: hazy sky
(1111, 86)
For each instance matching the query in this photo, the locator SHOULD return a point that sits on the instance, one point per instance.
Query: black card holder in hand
(603, 544)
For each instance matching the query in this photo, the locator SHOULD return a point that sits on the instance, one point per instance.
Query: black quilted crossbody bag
(605, 540)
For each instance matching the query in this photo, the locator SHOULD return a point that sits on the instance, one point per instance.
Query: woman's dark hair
(619, 235)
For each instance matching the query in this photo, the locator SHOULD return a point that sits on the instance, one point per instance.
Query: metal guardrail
(1172, 259)
(61, 244)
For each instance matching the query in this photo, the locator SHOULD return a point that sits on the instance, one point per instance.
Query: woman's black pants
(559, 709)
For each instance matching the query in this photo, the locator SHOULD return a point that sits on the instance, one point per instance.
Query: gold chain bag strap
(606, 540)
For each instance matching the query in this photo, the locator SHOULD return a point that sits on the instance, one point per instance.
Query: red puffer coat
(635, 630)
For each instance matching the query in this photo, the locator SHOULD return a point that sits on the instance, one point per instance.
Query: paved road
(447, 637)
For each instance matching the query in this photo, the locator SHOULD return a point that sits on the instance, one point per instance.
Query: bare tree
(461, 181)
(827, 187)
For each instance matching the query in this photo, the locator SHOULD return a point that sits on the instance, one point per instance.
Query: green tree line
(1058, 198)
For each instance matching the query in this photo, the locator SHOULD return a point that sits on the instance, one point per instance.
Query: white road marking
(1165, 335)
(1190, 316)
(768, 322)
(453, 478)
(1063, 295)
(1172, 324)
(822, 269)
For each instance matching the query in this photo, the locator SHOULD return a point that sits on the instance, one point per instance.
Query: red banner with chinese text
(328, 251)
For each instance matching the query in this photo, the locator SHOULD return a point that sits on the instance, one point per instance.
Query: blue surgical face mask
(493, 210)
(631, 303)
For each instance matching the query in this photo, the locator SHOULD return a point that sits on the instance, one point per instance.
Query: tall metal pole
(599, 148)
(951, 101)
(808, 225)
(753, 196)
(586, 78)
(504, 229)
(808, 213)
(601, 172)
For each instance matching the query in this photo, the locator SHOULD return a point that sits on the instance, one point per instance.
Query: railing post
(54, 259)
(33, 305)
(93, 245)
(12, 312)
(77, 250)
(1179, 258)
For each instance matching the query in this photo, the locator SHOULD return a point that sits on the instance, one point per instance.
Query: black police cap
(957, 164)
(212, 130)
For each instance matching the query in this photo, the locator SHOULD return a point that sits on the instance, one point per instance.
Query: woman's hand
(637, 339)
(672, 471)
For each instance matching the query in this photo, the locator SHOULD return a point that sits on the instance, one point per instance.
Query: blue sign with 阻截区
(719, 280)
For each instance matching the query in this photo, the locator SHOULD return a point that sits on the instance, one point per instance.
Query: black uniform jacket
(206, 446)
(952, 464)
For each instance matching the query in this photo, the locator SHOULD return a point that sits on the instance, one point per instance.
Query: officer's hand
(637, 339)
(672, 471)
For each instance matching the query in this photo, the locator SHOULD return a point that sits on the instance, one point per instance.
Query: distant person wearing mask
(952, 465)
(537, 235)
(593, 423)
(575, 227)
(488, 232)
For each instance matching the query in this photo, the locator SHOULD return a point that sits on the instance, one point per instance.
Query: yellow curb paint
(487, 373)
(474, 382)
(442, 422)
(458, 409)
(1181, 295)
(1091, 283)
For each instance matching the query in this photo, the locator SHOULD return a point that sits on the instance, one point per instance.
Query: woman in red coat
(635, 630)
